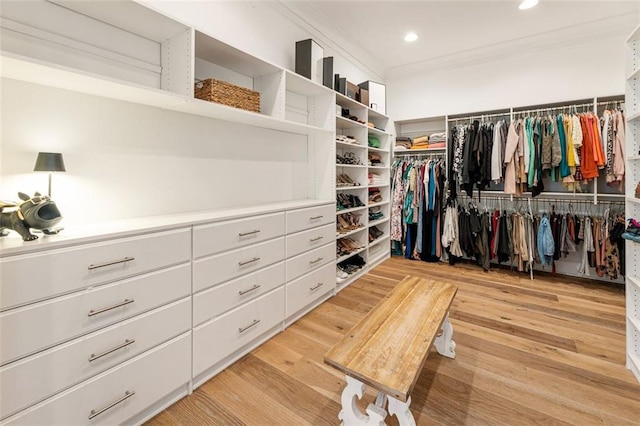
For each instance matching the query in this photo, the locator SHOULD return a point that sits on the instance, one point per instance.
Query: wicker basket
(221, 92)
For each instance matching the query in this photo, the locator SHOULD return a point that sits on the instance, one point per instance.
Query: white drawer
(299, 220)
(214, 301)
(307, 240)
(309, 288)
(32, 277)
(148, 378)
(32, 379)
(216, 269)
(307, 262)
(219, 338)
(232, 234)
(38, 326)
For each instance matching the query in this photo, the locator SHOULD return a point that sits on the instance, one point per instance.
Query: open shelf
(635, 74)
(354, 209)
(378, 257)
(633, 117)
(351, 278)
(386, 151)
(382, 203)
(346, 234)
(419, 151)
(302, 85)
(378, 222)
(345, 188)
(377, 131)
(35, 71)
(351, 145)
(348, 103)
(345, 123)
(347, 256)
(352, 166)
(379, 240)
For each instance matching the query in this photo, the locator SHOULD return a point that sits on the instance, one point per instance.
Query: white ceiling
(453, 32)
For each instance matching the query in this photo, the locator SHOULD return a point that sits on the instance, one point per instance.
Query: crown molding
(616, 27)
(306, 16)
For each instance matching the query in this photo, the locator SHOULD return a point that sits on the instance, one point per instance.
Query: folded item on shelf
(400, 148)
(437, 144)
(439, 135)
(420, 146)
(421, 139)
(373, 141)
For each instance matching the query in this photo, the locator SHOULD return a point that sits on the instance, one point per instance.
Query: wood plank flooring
(548, 351)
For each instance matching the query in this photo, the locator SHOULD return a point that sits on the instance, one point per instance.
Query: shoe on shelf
(341, 275)
(638, 190)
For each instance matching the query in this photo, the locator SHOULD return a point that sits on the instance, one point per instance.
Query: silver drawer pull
(243, 329)
(115, 262)
(316, 287)
(243, 292)
(126, 343)
(255, 259)
(108, 308)
(244, 234)
(313, 240)
(127, 394)
(315, 261)
(316, 217)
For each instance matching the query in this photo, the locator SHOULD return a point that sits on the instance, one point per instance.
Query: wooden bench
(388, 347)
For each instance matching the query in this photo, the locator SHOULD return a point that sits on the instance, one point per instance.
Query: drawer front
(148, 378)
(24, 382)
(307, 240)
(219, 338)
(37, 276)
(31, 328)
(309, 288)
(224, 297)
(307, 262)
(217, 269)
(299, 220)
(233, 234)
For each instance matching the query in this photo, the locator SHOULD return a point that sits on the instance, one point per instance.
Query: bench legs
(376, 413)
(444, 343)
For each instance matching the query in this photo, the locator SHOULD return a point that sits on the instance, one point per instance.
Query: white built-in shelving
(363, 124)
(632, 179)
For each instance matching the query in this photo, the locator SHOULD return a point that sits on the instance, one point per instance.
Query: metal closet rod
(471, 117)
(556, 108)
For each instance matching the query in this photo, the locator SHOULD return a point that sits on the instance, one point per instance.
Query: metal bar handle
(126, 343)
(243, 329)
(316, 287)
(127, 395)
(255, 259)
(244, 234)
(315, 261)
(115, 262)
(313, 240)
(316, 217)
(243, 292)
(108, 308)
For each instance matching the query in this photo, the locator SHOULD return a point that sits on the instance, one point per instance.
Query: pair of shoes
(348, 201)
(346, 139)
(347, 222)
(345, 180)
(375, 214)
(374, 196)
(374, 233)
(341, 275)
(348, 158)
(346, 246)
(638, 190)
(352, 264)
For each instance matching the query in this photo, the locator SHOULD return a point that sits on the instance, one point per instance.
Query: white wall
(126, 160)
(526, 78)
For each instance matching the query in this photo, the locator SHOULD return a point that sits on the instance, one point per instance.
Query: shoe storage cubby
(362, 133)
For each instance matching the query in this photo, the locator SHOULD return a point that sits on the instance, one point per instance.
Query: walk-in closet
(319, 212)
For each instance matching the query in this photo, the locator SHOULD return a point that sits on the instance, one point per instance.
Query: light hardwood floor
(548, 351)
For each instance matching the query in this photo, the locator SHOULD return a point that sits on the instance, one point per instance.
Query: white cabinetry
(81, 315)
(632, 179)
(364, 177)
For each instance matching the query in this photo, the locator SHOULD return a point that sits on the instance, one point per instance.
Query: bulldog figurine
(37, 212)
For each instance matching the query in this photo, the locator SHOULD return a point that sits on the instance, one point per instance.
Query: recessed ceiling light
(527, 4)
(411, 37)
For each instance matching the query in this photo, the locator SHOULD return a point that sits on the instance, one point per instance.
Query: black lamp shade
(49, 162)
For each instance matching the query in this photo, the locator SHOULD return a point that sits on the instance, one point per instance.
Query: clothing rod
(526, 111)
(470, 117)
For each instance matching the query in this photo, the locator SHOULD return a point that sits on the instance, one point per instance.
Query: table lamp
(49, 162)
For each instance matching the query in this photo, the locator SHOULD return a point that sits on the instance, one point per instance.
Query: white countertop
(12, 244)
